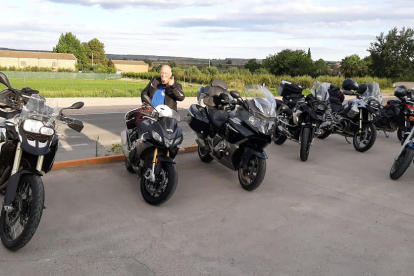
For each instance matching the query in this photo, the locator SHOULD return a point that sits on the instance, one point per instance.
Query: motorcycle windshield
(320, 90)
(38, 108)
(260, 100)
(373, 92)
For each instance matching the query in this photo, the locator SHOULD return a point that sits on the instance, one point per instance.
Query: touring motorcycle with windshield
(299, 117)
(234, 130)
(150, 143)
(355, 118)
(30, 145)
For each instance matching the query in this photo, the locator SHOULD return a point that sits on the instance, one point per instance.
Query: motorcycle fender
(13, 182)
(162, 159)
(248, 152)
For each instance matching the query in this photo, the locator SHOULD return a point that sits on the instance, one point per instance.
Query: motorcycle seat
(218, 117)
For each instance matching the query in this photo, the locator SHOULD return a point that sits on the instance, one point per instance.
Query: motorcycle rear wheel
(402, 163)
(18, 227)
(164, 186)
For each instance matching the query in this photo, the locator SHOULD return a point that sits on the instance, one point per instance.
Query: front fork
(154, 163)
(18, 157)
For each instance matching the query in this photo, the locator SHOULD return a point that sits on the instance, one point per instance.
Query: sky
(205, 28)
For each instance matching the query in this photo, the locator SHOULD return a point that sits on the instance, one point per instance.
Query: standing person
(164, 90)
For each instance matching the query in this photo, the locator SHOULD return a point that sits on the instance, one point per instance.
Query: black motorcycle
(395, 115)
(404, 158)
(30, 145)
(299, 117)
(355, 118)
(150, 144)
(234, 131)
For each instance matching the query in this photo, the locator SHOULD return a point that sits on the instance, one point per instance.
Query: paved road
(336, 214)
(108, 127)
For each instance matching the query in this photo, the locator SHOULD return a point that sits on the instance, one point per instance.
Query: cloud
(166, 4)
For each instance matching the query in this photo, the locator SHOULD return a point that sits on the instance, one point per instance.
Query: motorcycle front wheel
(402, 163)
(365, 140)
(162, 189)
(18, 226)
(252, 176)
(305, 143)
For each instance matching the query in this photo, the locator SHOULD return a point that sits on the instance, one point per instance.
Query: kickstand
(386, 134)
(347, 140)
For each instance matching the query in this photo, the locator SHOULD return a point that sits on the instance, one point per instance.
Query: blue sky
(207, 28)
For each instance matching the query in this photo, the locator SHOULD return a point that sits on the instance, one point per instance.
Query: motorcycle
(30, 145)
(395, 115)
(299, 117)
(150, 143)
(404, 158)
(344, 120)
(234, 131)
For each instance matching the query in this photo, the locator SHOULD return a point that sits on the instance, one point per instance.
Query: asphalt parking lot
(339, 213)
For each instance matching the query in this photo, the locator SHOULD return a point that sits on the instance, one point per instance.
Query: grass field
(63, 88)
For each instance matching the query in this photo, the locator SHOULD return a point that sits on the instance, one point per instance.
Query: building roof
(39, 55)
(128, 62)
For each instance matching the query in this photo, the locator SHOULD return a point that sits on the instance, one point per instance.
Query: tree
(149, 62)
(172, 64)
(229, 61)
(96, 48)
(393, 54)
(68, 43)
(320, 67)
(252, 65)
(309, 53)
(289, 62)
(353, 66)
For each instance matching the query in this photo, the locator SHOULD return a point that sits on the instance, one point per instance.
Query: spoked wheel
(278, 137)
(252, 176)
(18, 226)
(324, 134)
(128, 165)
(402, 163)
(163, 187)
(305, 143)
(204, 155)
(365, 140)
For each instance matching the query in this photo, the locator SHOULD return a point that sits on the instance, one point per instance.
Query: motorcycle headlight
(178, 141)
(48, 131)
(32, 126)
(157, 136)
(321, 107)
(168, 142)
(254, 121)
(374, 104)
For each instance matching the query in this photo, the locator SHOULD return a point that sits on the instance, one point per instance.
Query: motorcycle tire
(305, 143)
(128, 166)
(27, 183)
(204, 155)
(371, 140)
(400, 133)
(257, 165)
(324, 134)
(278, 138)
(402, 163)
(169, 189)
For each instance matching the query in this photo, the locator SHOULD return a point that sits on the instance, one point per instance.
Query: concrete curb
(105, 159)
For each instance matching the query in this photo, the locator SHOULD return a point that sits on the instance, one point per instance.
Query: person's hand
(171, 82)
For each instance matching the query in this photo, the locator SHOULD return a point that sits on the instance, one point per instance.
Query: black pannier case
(289, 88)
(197, 118)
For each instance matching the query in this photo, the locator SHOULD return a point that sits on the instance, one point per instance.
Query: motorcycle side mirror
(4, 80)
(235, 94)
(147, 99)
(349, 93)
(77, 105)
